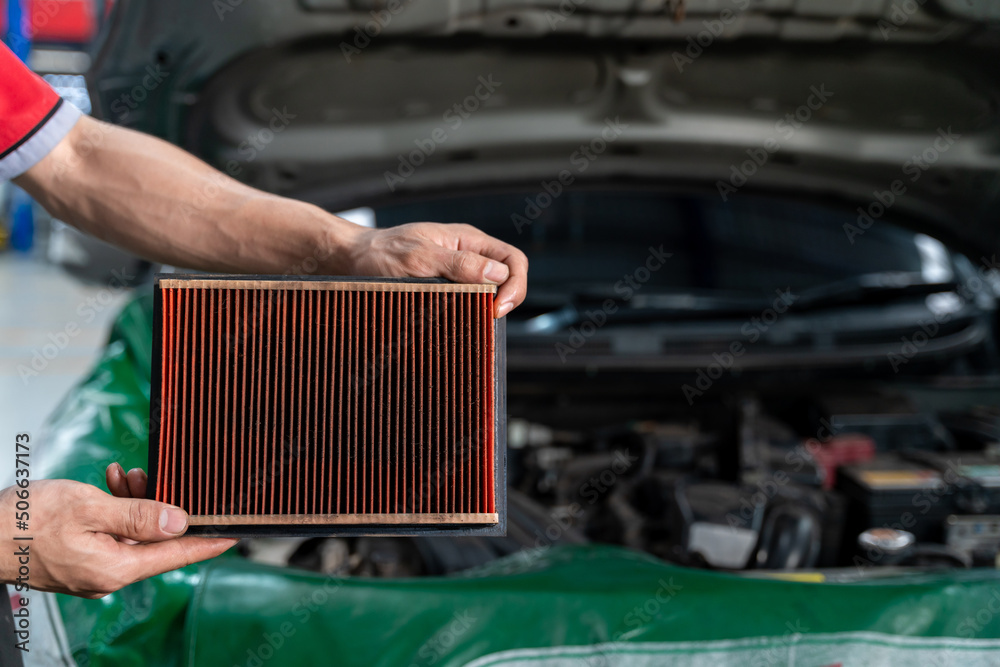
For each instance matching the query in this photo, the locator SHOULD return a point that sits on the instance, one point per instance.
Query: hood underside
(349, 103)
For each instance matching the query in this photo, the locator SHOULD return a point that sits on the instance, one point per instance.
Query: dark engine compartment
(780, 479)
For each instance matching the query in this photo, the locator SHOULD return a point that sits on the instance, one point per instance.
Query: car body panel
(279, 95)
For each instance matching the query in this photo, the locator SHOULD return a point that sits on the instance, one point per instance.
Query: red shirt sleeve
(33, 118)
(26, 102)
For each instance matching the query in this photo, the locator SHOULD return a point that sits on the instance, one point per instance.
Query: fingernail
(120, 469)
(173, 520)
(496, 272)
(504, 308)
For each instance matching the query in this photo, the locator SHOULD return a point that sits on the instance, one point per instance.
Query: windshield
(587, 241)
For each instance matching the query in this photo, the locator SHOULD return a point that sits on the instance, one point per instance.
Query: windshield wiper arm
(860, 289)
(640, 307)
(867, 287)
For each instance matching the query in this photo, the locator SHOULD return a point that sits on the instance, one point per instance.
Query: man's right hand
(88, 543)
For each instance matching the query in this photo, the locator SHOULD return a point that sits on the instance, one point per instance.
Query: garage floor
(40, 307)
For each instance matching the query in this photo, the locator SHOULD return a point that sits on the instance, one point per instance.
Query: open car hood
(892, 108)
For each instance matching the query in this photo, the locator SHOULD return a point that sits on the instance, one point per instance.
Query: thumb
(141, 520)
(464, 266)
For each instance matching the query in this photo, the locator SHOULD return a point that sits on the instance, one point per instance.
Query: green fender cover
(589, 605)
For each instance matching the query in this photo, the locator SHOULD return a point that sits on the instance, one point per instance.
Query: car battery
(919, 495)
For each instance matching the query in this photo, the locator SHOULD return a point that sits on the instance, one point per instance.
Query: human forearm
(149, 197)
(159, 202)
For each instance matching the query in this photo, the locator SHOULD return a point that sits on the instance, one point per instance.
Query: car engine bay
(847, 479)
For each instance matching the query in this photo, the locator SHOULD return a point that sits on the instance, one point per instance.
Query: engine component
(891, 420)
(917, 491)
(976, 428)
(892, 547)
(328, 406)
(791, 538)
(840, 450)
(886, 540)
(977, 536)
(715, 529)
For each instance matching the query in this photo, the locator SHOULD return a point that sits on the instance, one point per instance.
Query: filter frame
(344, 524)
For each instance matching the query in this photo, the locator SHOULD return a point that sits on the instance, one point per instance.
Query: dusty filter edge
(427, 524)
(333, 285)
(487, 518)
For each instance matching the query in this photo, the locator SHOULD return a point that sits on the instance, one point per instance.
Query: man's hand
(458, 252)
(89, 543)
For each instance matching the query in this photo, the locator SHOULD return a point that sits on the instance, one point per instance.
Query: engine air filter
(334, 406)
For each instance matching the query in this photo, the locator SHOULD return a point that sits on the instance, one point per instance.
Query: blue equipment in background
(19, 208)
